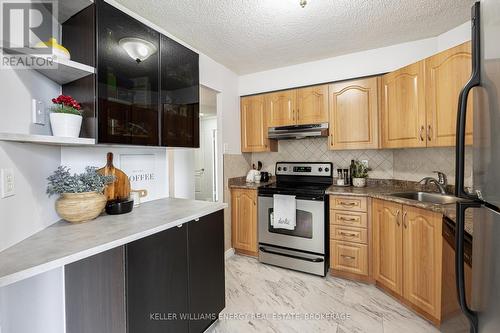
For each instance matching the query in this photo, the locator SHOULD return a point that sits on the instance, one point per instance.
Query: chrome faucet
(441, 182)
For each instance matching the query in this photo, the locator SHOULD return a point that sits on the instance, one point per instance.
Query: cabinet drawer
(349, 257)
(351, 219)
(358, 204)
(350, 234)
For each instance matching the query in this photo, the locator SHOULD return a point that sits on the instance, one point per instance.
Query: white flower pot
(359, 182)
(65, 125)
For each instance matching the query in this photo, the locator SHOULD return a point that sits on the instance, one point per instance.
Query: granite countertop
(383, 191)
(63, 243)
(240, 182)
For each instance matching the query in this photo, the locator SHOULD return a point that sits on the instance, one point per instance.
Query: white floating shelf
(46, 139)
(68, 8)
(66, 71)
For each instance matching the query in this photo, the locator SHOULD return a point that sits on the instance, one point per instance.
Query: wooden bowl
(80, 207)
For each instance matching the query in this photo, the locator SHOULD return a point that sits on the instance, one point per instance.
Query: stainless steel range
(305, 247)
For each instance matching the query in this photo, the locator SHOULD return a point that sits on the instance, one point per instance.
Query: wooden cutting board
(120, 189)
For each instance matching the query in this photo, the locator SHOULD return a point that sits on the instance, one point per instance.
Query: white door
(205, 166)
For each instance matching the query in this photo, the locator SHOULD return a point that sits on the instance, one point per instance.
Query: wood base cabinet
(408, 255)
(350, 235)
(172, 281)
(244, 221)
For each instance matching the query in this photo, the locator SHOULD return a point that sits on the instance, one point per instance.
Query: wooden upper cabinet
(446, 74)
(403, 107)
(281, 107)
(422, 253)
(354, 114)
(254, 125)
(244, 220)
(387, 245)
(312, 105)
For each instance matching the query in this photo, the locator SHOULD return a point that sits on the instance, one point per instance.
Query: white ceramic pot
(65, 125)
(359, 182)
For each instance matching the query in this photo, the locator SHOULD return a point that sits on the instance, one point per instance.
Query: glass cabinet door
(128, 79)
(179, 95)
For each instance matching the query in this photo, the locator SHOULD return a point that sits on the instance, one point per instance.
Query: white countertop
(63, 243)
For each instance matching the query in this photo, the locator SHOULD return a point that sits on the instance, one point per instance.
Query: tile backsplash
(406, 164)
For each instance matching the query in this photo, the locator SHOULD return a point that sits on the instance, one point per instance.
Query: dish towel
(284, 216)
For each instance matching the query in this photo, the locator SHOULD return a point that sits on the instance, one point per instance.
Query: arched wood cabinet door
(312, 105)
(422, 253)
(254, 119)
(403, 107)
(446, 74)
(281, 108)
(387, 245)
(244, 220)
(354, 114)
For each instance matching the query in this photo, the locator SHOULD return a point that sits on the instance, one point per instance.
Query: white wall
(352, 65)
(34, 305)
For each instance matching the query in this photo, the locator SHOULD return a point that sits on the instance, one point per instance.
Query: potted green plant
(359, 174)
(81, 196)
(66, 117)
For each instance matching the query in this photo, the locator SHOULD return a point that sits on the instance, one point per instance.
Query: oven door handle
(263, 249)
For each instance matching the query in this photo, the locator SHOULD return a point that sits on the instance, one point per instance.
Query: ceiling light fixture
(303, 3)
(138, 49)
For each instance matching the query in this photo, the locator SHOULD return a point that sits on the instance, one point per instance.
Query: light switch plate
(38, 112)
(7, 183)
(226, 147)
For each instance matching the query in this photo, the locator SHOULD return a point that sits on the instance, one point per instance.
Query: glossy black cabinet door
(179, 95)
(206, 270)
(127, 89)
(157, 282)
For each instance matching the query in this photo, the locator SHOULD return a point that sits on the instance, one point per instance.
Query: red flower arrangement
(66, 104)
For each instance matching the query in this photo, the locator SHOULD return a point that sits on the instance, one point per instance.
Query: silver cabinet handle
(397, 218)
(420, 133)
(348, 257)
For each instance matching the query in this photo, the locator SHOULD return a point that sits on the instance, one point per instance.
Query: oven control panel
(304, 169)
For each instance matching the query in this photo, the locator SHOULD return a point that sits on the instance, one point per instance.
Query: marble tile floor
(264, 298)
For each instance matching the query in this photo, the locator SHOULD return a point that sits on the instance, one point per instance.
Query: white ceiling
(253, 35)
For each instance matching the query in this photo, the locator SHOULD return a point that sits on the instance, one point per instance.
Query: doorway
(206, 162)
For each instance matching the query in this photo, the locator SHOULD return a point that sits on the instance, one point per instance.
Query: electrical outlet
(38, 112)
(7, 183)
(365, 162)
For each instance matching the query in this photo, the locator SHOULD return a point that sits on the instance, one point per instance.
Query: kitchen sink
(434, 198)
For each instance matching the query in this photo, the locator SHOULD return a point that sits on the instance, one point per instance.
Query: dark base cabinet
(95, 293)
(172, 281)
(206, 270)
(157, 282)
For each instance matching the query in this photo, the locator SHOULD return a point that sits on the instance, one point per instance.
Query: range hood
(297, 131)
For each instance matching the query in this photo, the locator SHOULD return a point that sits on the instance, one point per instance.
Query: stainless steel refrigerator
(483, 309)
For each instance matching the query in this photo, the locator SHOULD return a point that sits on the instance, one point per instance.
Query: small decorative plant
(360, 170)
(66, 117)
(62, 181)
(81, 198)
(359, 174)
(66, 104)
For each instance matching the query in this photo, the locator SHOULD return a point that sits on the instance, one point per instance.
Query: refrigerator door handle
(459, 262)
(474, 81)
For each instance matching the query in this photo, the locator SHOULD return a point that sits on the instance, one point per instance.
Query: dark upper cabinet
(206, 270)
(180, 91)
(157, 282)
(127, 90)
